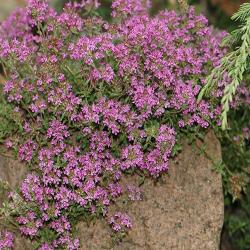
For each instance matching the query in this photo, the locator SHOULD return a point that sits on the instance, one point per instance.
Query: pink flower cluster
(98, 100)
(120, 222)
(6, 240)
(130, 7)
(39, 11)
(134, 193)
(26, 150)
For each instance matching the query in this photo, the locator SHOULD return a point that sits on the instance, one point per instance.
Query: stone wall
(182, 211)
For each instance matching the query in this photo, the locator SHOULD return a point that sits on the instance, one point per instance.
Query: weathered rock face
(13, 172)
(183, 211)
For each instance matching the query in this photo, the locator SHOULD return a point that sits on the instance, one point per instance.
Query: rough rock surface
(13, 172)
(182, 211)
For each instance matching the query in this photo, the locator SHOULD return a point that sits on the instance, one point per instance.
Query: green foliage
(235, 165)
(234, 64)
(46, 235)
(243, 13)
(237, 222)
(235, 171)
(236, 153)
(9, 121)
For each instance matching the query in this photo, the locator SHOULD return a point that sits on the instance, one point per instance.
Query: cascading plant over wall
(91, 101)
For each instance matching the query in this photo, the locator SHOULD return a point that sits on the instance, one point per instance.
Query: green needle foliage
(234, 64)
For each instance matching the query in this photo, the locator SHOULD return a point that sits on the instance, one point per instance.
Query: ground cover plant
(86, 101)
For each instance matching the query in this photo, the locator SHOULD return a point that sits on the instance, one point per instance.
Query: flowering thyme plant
(6, 240)
(94, 101)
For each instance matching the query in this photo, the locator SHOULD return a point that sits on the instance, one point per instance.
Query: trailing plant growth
(90, 101)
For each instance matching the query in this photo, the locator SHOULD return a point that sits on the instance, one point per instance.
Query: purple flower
(245, 133)
(26, 150)
(132, 156)
(134, 193)
(60, 225)
(120, 222)
(29, 224)
(98, 100)
(130, 7)
(39, 10)
(57, 132)
(46, 246)
(6, 240)
(32, 189)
